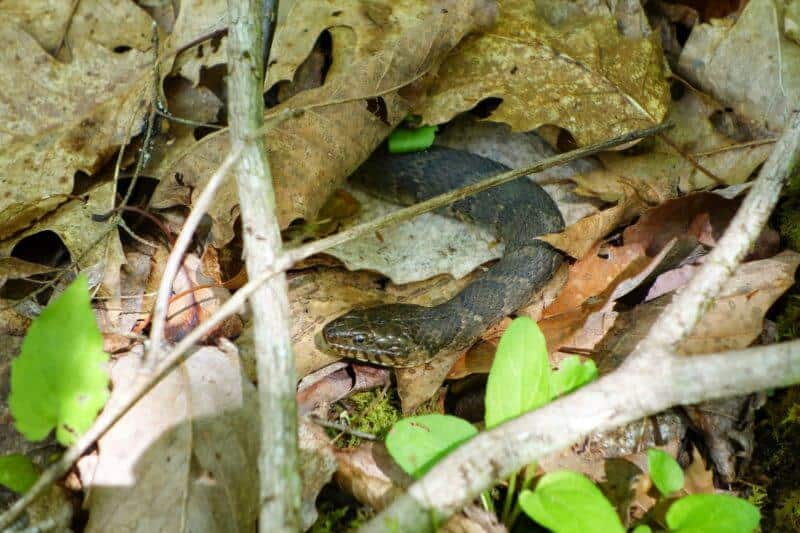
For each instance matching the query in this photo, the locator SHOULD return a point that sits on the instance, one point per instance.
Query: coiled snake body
(402, 335)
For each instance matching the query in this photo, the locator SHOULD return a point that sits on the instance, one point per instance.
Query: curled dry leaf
(638, 181)
(311, 155)
(751, 63)
(317, 465)
(662, 173)
(580, 74)
(90, 243)
(370, 474)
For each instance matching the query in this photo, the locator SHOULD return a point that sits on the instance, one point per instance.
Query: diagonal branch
(653, 378)
(282, 262)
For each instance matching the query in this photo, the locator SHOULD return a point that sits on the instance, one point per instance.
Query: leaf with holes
(58, 380)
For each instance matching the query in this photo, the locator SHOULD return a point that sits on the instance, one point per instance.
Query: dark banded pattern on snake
(402, 335)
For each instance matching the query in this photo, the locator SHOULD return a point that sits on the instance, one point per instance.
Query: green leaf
(665, 472)
(712, 513)
(17, 473)
(568, 502)
(519, 380)
(418, 442)
(404, 140)
(571, 374)
(58, 380)
(643, 528)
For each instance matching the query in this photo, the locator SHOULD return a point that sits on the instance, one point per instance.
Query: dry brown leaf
(370, 474)
(186, 312)
(578, 239)
(72, 123)
(90, 243)
(317, 461)
(593, 274)
(93, 20)
(311, 155)
(751, 63)
(581, 75)
(736, 317)
(196, 19)
(662, 173)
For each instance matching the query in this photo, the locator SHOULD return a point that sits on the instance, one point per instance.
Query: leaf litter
(578, 72)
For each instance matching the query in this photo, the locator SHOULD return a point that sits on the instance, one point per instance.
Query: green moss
(787, 512)
(371, 412)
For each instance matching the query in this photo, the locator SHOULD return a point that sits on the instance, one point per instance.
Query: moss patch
(371, 412)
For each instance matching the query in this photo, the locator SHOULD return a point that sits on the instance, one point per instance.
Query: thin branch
(652, 379)
(175, 259)
(278, 466)
(282, 262)
(614, 400)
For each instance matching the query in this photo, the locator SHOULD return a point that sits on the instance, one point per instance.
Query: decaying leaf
(88, 107)
(751, 63)
(416, 249)
(175, 460)
(90, 242)
(580, 74)
(662, 173)
(311, 155)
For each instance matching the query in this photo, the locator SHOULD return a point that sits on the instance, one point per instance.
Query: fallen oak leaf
(605, 84)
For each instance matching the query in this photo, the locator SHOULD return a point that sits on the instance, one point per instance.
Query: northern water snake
(402, 335)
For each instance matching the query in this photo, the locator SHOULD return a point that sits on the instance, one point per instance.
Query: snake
(405, 335)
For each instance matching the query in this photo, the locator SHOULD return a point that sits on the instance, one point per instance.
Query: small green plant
(58, 380)
(565, 502)
(17, 473)
(520, 380)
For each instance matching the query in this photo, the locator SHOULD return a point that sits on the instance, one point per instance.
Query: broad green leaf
(417, 443)
(571, 374)
(665, 472)
(58, 380)
(519, 380)
(712, 513)
(642, 529)
(404, 140)
(17, 473)
(568, 502)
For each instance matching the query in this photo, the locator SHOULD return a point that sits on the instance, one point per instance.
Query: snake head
(392, 335)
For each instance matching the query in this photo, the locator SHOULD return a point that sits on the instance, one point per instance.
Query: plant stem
(278, 466)
(512, 488)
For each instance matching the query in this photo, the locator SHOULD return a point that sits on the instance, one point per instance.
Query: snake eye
(358, 338)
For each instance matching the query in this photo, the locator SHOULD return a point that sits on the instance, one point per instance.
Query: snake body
(402, 335)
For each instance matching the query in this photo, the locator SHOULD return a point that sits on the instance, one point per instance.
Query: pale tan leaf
(179, 459)
(749, 64)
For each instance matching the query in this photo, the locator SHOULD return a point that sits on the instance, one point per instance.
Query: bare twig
(653, 378)
(282, 262)
(614, 400)
(341, 428)
(279, 472)
(175, 259)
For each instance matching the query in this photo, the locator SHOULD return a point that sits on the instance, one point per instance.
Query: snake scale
(403, 335)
